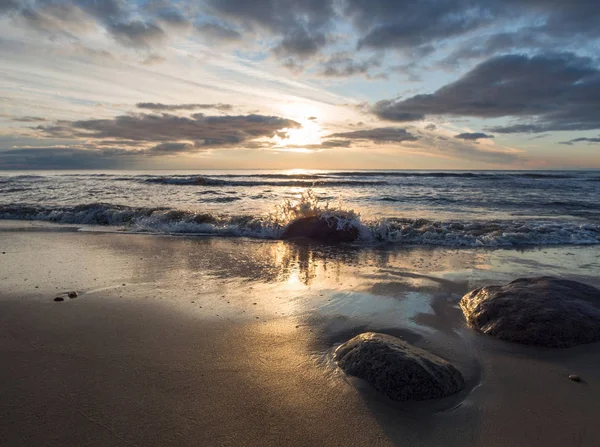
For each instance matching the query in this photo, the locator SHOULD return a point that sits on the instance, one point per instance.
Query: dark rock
(574, 378)
(542, 311)
(59, 298)
(321, 229)
(72, 295)
(204, 218)
(398, 370)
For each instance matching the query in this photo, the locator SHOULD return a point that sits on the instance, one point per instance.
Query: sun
(308, 115)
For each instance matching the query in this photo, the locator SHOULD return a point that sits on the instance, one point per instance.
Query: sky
(299, 84)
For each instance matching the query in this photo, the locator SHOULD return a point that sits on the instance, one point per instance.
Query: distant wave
(16, 189)
(408, 174)
(447, 174)
(434, 200)
(339, 178)
(571, 204)
(394, 231)
(275, 176)
(18, 178)
(539, 175)
(222, 199)
(211, 181)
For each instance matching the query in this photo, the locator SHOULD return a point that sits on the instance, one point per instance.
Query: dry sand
(226, 342)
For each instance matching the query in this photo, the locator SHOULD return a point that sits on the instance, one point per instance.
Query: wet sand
(225, 341)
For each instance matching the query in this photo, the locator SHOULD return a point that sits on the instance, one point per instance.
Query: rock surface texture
(542, 311)
(320, 229)
(397, 369)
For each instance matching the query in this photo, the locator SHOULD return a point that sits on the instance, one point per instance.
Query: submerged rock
(320, 229)
(542, 311)
(398, 370)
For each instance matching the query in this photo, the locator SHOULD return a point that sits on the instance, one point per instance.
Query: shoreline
(220, 341)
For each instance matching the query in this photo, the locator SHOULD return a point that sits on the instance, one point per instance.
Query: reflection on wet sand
(254, 321)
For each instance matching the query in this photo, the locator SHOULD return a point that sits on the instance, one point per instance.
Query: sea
(437, 208)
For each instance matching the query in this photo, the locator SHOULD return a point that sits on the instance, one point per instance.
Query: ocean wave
(534, 175)
(275, 176)
(19, 178)
(393, 231)
(428, 199)
(222, 200)
(210, 181)
(454, 174)
(409, 174)
(570, 204)
(16, 189)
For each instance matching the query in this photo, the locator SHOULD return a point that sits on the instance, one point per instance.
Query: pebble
(574, 378)
(59, 298)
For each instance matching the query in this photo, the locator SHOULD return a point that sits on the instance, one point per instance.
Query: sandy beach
(206, 341)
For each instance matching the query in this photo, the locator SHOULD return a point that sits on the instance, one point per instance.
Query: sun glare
(309, 134)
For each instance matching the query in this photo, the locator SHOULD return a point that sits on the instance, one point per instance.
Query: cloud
(481, 46)
(537, 137)
(300, 43)
(170, 107)
(378, 135)
(553, 91)
(301, 27)
(342, 64)
(167, 13)
(57, 19)
(29, 119)
(434, 144)
(393, 24)
(138, 34)
(472, 136)
(219, 32)
(153, 59)
(171, 148)
(431, 144)
(65, 158)
(204, 131)
(326, 144)
(131, 27)
(8, 5)
(425, 25)
(581, 140)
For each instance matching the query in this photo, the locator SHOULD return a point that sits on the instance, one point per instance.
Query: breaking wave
(496, 233)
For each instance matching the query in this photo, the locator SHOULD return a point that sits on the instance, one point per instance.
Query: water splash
(473, 233)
